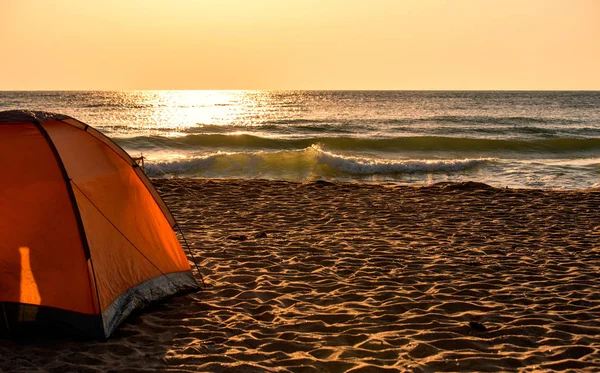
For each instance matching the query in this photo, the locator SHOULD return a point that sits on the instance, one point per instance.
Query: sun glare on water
(185, 112)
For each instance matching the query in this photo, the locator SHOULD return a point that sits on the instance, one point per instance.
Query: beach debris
(464, 186)
(238, 237)
(477, 326)
(261, 234)
(321, 183)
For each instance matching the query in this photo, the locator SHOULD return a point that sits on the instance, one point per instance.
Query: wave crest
(307, 163)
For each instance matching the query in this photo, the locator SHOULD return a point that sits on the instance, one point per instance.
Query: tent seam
(148, 185)
(120, 232)
(86, 248)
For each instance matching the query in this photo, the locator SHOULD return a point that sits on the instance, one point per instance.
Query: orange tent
(85, 239)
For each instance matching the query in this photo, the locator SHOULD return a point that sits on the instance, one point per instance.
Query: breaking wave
(311, 162)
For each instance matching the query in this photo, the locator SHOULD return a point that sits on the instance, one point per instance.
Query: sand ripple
(324, 277)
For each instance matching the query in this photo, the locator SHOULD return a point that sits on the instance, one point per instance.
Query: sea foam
(293, 164)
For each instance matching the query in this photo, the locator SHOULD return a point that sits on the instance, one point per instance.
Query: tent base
(22, 320)
(145, 293)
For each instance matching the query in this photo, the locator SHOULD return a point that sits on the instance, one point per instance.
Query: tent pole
(5, 318)
(192, 255)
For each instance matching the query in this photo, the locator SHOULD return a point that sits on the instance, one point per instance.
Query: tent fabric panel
(156, 196)
(117, 264)
(143, 294)
(117, 149)
(42, 259)
(113, 200)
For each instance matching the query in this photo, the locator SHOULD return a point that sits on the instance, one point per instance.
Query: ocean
(547, 140)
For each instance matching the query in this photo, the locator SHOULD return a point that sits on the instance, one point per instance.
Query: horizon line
(307, 90)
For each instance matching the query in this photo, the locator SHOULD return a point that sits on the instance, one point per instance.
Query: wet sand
(322, 277)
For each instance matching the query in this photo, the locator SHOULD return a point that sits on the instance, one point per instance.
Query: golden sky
(299, 44)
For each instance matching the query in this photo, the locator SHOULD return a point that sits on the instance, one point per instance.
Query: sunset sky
(299, 44)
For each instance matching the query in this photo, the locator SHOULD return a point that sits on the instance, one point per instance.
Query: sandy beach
(323, 277)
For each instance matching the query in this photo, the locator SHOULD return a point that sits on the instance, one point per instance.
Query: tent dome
(86, 239)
